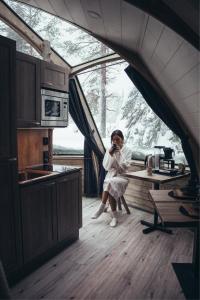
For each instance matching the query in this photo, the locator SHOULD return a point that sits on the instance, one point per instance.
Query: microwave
(54, 108)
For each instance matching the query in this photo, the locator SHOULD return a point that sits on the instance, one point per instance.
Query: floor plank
(112, 263)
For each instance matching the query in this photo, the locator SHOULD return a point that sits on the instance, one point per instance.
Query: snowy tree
(31, 16)
(95, 85)
(144, 127)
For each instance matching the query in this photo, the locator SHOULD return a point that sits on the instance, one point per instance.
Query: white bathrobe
(116, 165)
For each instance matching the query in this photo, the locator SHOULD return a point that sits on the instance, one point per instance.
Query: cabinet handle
(12, 159)
(49, 184)
(50, 83)
(63, 180)
(36, 123)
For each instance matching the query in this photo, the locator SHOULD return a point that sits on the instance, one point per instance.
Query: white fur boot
(99, 211)
(114, 221)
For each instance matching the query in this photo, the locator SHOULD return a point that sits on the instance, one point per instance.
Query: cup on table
(149, 171)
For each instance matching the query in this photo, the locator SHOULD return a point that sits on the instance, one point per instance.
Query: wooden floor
(112, 263)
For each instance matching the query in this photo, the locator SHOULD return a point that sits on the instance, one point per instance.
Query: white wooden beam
(95, 62)
(8, 16)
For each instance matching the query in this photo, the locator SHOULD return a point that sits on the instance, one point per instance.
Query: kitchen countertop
(38, 173)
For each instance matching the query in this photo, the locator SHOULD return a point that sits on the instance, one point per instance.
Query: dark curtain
(164, 112)
(91, 184)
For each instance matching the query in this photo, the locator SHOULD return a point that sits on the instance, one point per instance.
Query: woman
(116, 161)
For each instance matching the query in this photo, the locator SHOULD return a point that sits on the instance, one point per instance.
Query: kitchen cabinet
(68, 205)
(10, 251)
(38, 215)
(32, 74)
(51, 215)
(28, 91)
(54, 77)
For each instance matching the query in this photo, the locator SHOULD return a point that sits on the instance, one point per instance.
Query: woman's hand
(113, 149)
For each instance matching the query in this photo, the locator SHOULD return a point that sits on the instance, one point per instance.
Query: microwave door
(51, 108)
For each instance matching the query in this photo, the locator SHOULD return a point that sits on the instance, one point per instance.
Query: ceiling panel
(76, 12)
(148, 45)
(192, 103)
(184, 59)
(112, 20)
(188, 84)
(191, 119)
(151, 38)
(93, 14)
(196, 132)
(45, 5)
(61, 9)
(132, 21)
(155, 27)
(156, 65)
(167, 45)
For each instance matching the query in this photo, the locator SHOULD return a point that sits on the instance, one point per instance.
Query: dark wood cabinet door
(10, 252)
(68, 202)
(7, 98)
(38, 207)
(28, 91)
(54, 76)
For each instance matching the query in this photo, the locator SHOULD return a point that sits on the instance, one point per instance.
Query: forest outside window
(116, 103)
(68, 40)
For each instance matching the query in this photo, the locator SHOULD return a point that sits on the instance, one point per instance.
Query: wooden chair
(120, 201)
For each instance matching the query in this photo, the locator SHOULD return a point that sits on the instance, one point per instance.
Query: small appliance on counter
(157, 157)
(163, 161)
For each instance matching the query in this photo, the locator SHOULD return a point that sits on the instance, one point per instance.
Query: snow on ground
(69, 137)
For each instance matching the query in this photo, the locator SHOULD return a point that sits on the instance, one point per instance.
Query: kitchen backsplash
(33, 146)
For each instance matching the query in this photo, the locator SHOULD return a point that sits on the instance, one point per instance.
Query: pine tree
(31, 16)
(144, 127)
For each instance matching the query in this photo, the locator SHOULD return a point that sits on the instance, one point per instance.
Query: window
(116, 104)
(21, 44)
(73, 44)
(68, 141)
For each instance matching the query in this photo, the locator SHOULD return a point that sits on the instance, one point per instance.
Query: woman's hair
(117, 132)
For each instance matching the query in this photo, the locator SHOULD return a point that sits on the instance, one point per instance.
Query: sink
(32, 174)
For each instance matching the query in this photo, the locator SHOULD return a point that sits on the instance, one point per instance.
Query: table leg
(155, 225)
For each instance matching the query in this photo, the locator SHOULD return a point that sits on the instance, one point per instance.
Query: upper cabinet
(54, 77)
(27, 90)
(32, 74)
(7, 99)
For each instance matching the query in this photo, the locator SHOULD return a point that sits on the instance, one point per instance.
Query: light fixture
(94, 14)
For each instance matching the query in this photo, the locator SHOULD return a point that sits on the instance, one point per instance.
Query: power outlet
(45, 140)
(45, 157)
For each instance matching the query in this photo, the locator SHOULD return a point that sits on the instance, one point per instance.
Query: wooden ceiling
(137, 31)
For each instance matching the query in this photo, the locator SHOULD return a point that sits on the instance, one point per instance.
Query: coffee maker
(163, 160)
(168, 157)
